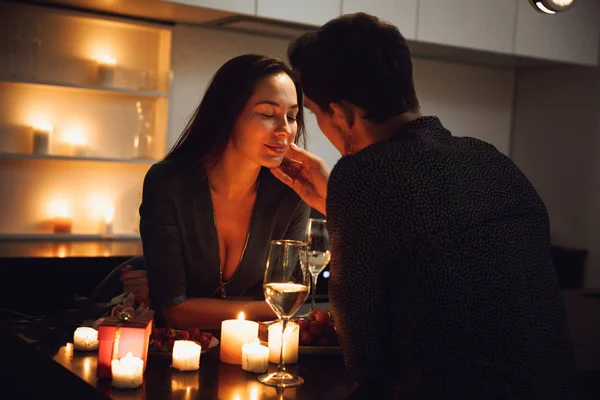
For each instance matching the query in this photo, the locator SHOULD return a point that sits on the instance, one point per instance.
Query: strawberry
(315, 328)
(322, 317)
(184, 335)
(169, 343)
(303, 324)
(305, 338)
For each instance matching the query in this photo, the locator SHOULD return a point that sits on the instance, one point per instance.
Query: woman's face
(267, 124)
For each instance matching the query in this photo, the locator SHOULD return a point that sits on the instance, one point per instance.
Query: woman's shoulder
(168, 171)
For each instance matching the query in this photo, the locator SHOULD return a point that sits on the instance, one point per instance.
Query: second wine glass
(319, 255)
(286, 289)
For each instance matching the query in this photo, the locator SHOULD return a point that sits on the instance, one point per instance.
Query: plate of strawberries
(162, 340)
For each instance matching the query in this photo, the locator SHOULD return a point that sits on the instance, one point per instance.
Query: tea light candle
(106, 70)
(291, 338)
(255, 357)
(62, 223)
(41, 137)
(108, 221)
(128, 372)
(85, 339)
(186, 355)
(234, 334)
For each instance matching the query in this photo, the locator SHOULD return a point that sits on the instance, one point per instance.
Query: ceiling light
(551, 6)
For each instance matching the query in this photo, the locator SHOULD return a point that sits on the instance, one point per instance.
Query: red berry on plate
(305, 338)
(315, 328)
(169, 343)
(322, 317)
(185, 335)
(303, 324)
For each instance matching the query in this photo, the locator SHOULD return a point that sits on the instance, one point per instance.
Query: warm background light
(74, 134)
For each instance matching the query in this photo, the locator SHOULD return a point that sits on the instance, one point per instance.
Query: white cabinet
(476, 24)
(311, 12)
(402, 13)
(237, 6)
(571, 36)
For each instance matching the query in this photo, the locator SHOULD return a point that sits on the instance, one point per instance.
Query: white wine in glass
(319, 255)
(286, 288)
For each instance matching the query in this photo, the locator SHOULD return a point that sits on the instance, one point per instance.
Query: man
(442, 283)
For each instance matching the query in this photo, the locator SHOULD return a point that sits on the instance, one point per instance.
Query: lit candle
(74, 140)
(255, 357)
(109, 215)
(85, 339)
(128, 372)
(41, 137)
(291, 339)
(234, 334)
(106, 70)
(62, 222)
(186, 355)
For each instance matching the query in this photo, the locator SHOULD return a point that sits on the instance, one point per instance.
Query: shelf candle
(62, 223)
(186, 355)
(128, 372)
(41, 137)
(106, 70)
(234, 334)
(291, 338)
(85, 339)
(108, 221)
(255, 357)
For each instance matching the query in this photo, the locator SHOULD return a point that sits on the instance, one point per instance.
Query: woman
(211, 207)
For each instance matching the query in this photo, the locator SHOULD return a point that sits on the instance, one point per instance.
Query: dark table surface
(51, 368)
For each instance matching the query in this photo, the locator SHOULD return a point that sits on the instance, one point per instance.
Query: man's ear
(342, 114)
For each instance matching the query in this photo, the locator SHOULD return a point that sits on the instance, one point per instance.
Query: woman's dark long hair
(208, 132)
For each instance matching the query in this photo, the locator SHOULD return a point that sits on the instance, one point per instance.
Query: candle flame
(107, 59)
(109, 214)
(43, 126)
(241, 316)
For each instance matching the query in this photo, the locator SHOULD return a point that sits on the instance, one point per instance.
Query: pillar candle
(186, 355)
(128, 372)
(290, 342)
(62, 224)
(255, 358)
(85, 339)
(234, 334)
(41, 137)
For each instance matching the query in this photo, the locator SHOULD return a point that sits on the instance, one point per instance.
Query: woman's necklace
(223, 282)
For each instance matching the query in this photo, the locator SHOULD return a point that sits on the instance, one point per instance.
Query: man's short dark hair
(359, 59)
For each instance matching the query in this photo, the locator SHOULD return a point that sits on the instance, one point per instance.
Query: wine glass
(286, 289)
(319, 255)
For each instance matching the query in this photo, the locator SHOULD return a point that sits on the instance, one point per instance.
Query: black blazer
(181, 250)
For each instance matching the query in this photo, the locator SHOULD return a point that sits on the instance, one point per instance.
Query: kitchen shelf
(23, 156)
(63, 237)
(89, 88)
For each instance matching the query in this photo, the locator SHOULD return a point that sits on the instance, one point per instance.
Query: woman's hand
(136, 282)
(306, 174)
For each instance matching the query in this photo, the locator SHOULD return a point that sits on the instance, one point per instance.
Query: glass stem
(281, 368)
(313, 291)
